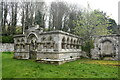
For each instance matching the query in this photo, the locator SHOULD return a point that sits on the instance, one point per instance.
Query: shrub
(87, 46)
(7, 39)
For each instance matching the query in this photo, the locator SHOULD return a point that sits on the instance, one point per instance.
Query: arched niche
(23, 44)
(106, 48)
(71, 43)
(43, 38)
(17, 46)
(68, 43)
(22, 40)
(32, 37)
(63, 43)
(32, 40)
(17, 41)
(50, 38)
(49, 43)
(68, 40)
(74, 42)
(63, 40)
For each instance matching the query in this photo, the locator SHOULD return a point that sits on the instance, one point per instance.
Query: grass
(82, 68)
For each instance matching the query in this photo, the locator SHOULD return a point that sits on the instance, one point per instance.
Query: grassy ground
(83, 68)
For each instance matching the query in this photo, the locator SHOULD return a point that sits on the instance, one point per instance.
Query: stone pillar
(117, 54)
(39, 47)
(27, 47)
(59, 47)
(68, 46)
(58, 42)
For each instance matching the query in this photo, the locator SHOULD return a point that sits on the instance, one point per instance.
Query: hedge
(6, 39)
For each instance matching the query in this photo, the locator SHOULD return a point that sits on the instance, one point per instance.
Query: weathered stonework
(54, 47)
(58, 47)
(106, 47)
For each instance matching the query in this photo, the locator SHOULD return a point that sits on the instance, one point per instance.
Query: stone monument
(54, 47)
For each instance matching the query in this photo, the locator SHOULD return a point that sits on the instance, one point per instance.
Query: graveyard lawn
(82, 68)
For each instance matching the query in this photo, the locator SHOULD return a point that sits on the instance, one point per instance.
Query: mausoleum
(54, 47)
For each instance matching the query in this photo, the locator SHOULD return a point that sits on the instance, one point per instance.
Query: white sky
(108, 6)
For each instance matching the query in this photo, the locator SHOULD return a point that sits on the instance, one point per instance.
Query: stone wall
(6, 47)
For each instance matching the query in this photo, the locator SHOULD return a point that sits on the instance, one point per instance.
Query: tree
(1, 13)
(4, 6)
(113, 26)
(57, 14)
(40, 14)
(23, 19)
(32, 13)
(9, 17)
(73, 13)
(14, 6)
(91, 23)
(26, 15)
(38, 18)
(1, 17)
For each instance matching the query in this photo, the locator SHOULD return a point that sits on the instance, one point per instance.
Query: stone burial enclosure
(58, 47)
(54, 47)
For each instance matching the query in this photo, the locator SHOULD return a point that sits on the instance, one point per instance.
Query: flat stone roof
(59, 32)
(50, 32)
(20, 35)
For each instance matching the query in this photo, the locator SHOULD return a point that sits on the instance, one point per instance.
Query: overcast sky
(108, 6)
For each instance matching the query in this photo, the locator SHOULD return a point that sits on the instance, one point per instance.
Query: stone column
(59, 47)
(117, 54)
(58, 42)
(27, 47)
